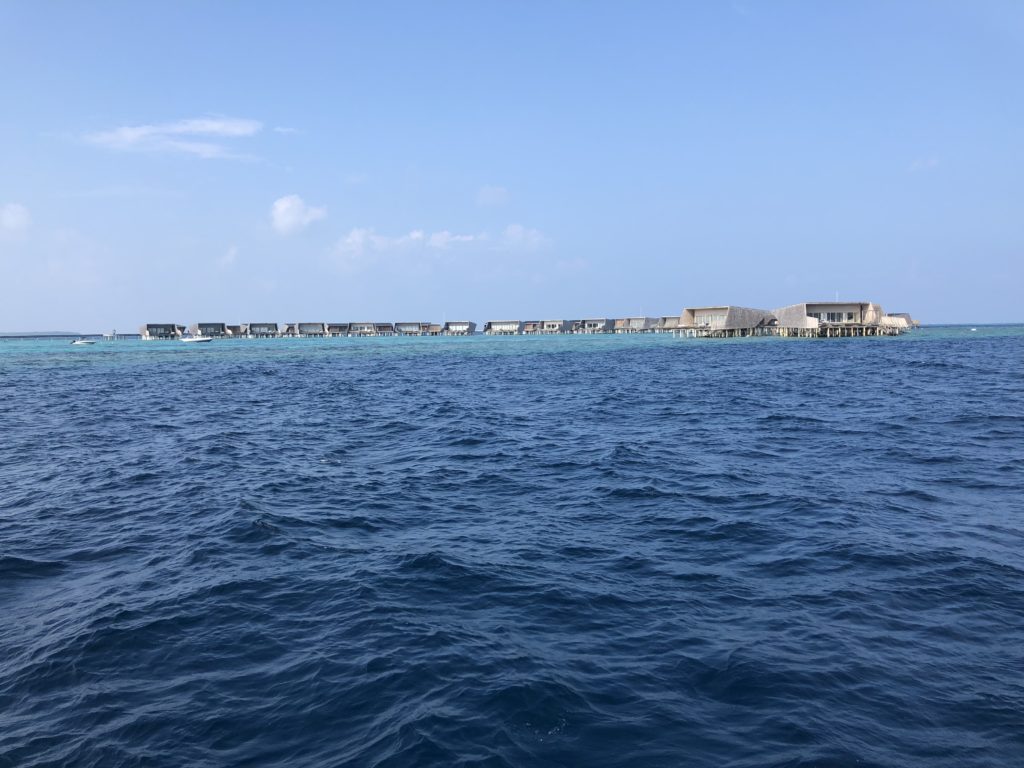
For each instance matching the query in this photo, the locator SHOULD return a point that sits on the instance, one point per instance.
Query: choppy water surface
(514, 552)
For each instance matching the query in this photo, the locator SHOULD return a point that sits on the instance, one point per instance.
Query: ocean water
(514, 552)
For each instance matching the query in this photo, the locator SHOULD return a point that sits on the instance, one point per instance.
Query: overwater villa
(503, 327)
(306, 330)
(834, 318)
(263, 330)
(459, 328)
(237, 331)
(161, 331)
(212, 330)
(635, 325)
(337, 329)
(412, 329)
(725, 321)
(362, 329)
(311, 330)
(808, 315)
(593, 325)
(667, 324)
(900, 320)
(531, 327)
(555, 326)
(384, 329)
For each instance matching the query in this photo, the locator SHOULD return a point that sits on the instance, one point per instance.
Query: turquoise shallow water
(514, 551)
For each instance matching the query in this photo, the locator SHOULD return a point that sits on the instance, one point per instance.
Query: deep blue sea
(576, 551)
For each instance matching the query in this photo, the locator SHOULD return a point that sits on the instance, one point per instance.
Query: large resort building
(725, 321)
(827, 319)
(835, 318)
(823, 319)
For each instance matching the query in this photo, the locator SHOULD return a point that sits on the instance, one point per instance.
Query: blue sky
(389, 161)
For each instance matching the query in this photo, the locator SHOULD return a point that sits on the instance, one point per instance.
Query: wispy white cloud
(516, 236)
(201, 137)
(15, 219)
(362, 247)
(446, 239)
(290, 214)
(360, 241)
(489, 195)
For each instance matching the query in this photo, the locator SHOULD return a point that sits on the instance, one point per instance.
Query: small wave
(18, 568)
(482, 552)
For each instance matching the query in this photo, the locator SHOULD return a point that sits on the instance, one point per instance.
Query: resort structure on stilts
(823, 319)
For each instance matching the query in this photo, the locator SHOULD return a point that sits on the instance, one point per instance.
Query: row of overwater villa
(821, 319)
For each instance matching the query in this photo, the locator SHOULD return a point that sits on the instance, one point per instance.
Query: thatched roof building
(814, 315)
(635, 324)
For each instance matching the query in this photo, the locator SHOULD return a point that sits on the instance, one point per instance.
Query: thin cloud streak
(363, 247)
(191, 137)
(518, 236)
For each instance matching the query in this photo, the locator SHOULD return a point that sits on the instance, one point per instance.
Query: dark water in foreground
(525, 552)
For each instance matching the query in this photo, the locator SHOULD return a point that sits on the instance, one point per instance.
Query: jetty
(822, 319)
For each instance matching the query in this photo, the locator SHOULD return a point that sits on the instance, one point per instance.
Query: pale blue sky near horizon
(425, 161)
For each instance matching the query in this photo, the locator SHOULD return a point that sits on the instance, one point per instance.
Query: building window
(708, 319)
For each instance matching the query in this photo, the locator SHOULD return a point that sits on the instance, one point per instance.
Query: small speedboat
(82, 342)
(196, 339)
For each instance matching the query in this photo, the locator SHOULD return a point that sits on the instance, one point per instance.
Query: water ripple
(513, 552)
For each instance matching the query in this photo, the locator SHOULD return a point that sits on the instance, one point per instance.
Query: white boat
(196, 339)
(82, 342)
